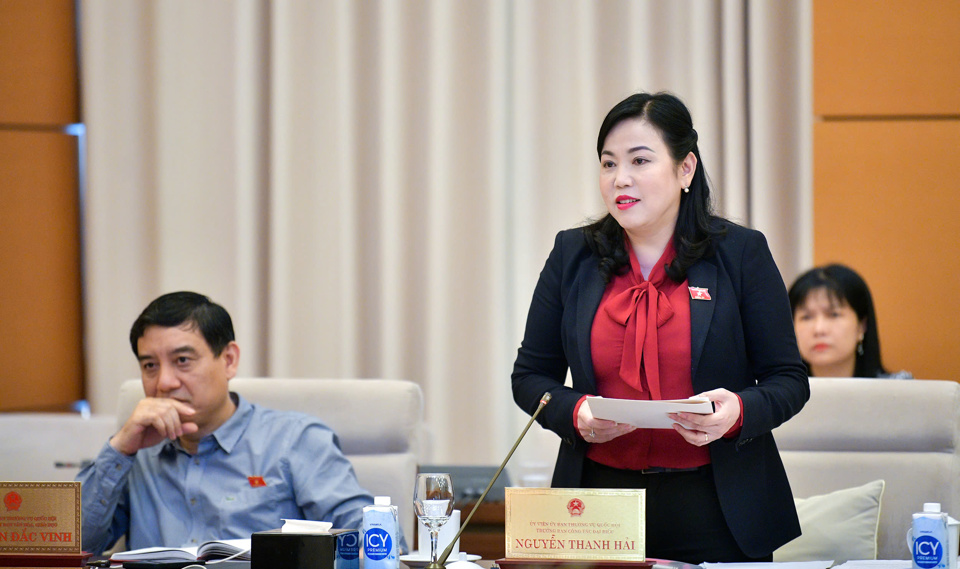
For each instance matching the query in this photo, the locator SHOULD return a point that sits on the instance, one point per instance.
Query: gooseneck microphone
(446, 552)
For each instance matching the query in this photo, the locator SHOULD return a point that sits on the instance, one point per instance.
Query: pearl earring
(686, 190)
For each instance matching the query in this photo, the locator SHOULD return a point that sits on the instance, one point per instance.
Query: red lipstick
(626, 202)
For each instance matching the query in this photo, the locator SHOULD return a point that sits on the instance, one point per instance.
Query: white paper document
(876, 564)
(770, 565)
(305, 526)
(646, 414)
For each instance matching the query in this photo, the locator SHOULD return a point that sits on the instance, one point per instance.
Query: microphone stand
(438, 564)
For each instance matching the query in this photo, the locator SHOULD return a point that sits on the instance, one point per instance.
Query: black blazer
(742, 340)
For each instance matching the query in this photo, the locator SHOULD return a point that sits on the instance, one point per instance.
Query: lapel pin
(699, 293)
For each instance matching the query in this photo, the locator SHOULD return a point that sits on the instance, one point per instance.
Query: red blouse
(651, 317)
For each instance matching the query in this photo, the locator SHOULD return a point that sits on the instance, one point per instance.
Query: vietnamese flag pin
(699, 293)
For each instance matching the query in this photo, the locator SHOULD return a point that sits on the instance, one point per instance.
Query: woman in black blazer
(604, 309)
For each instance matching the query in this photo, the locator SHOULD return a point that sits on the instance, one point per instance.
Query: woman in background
(836, 324)
(661, 299)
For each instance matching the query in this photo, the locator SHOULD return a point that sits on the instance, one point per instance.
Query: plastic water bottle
(929, 538)
(380, 532)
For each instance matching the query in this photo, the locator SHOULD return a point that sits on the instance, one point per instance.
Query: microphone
(438, 564)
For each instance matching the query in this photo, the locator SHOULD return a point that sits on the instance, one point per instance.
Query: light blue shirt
(163, 496)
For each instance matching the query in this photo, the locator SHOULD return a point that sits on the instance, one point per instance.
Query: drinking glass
(433, 502)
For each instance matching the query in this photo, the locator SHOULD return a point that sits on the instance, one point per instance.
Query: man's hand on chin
(153, 420)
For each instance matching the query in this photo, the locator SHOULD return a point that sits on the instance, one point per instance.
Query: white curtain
(371, 187)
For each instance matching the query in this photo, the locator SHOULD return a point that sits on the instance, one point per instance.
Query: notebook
(216, 549)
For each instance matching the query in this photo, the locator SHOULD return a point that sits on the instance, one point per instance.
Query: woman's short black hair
(196, 310)
(697, 226)
(843, 285)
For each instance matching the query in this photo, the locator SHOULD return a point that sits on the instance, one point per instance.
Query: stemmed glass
(433, 502)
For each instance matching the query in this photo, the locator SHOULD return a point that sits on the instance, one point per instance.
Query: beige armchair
(378, 421)
(854, 431)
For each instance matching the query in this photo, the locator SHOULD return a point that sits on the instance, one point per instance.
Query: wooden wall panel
(41, 360)
(38, 62)
(886, 203)
(886, 57)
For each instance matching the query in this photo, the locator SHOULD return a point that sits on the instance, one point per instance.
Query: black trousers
(684, 520)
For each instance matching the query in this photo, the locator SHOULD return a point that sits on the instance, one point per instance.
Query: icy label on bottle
(377, 544)
(348, 545)
(927, 551)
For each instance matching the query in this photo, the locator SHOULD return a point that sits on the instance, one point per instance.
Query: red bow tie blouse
(640, 343)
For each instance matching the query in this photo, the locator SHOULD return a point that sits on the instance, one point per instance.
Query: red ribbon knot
(649, 309)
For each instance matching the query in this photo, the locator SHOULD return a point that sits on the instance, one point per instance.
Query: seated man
(195, 462)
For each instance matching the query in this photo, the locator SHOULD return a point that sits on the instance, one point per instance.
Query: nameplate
(575, 524)
(40, 517)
